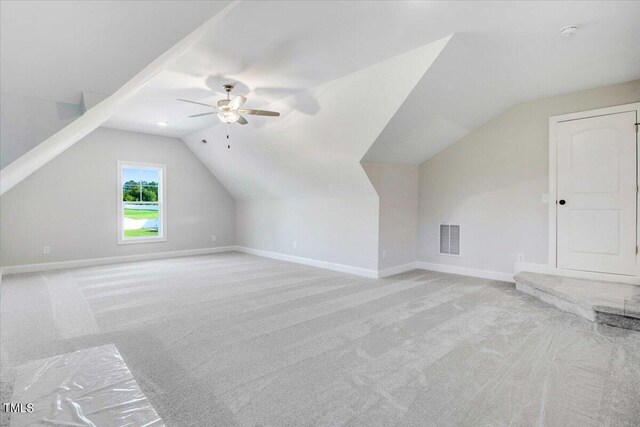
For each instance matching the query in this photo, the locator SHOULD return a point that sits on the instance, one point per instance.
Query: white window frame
(162, 198)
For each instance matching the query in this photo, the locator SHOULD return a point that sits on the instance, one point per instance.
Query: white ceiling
(503, 53)
(317, 153)
(292, 55)
(53, 50)
(274, 50)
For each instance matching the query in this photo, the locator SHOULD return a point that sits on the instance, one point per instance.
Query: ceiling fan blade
(237, 102)
(260, 113)
(195, 102)
(203, 114)
(242, 121)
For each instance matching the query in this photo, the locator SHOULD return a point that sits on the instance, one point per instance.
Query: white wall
(491, 183)
(397, 188)
(299, 178)
(70, 204)
(25, 122)
(342, 231)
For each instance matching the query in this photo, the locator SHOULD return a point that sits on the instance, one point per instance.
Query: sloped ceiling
(305, 154)
(275, 49)
(277, 52)
(53, 50)
(96, 116)
(504, 54)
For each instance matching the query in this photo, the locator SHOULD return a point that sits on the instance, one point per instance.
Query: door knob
(562, 202)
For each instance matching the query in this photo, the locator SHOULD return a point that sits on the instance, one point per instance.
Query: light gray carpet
(233, 339)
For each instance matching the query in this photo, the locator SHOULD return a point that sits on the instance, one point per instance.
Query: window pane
(131, 191)
(130, 174)
(150, 176)
(140, 220)
(149, 193)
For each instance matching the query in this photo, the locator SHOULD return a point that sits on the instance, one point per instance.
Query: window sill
(142, 240)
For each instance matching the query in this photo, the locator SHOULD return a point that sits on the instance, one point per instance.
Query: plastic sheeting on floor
(90, 387)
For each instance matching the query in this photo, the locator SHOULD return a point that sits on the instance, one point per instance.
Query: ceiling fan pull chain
(228, 145)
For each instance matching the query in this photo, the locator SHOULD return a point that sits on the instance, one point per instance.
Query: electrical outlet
(545, 198)
(520, 257)
(384, 253)
(294, 244)
(213, 238)
(46, 250)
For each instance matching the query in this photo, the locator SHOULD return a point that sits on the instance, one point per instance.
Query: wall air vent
(449, 239)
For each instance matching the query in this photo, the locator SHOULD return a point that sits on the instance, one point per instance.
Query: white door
(596, 211)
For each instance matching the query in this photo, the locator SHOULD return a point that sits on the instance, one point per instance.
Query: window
(141, 200)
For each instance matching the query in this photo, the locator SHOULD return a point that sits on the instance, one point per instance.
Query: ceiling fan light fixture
(228, 116)
(228, 110)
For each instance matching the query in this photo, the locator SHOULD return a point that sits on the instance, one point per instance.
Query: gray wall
(491, 183)
(397, 188)
(70, 204)
(343, 231)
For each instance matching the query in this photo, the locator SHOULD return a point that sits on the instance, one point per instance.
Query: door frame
(553, 174)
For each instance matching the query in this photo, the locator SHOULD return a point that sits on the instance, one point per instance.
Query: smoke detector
(568, 31)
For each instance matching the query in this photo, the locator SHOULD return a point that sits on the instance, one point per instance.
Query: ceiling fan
(228, 110)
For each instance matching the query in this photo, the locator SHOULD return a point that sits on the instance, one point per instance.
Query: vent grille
(449, 239)
(444, 239)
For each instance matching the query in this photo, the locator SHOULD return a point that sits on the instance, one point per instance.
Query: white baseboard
(484, 274)
(30, 268)
(397, 269)
(463, 271)
(547, 269)
(343, 268)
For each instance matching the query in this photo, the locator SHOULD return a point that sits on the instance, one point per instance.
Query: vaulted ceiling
(293, 55)
(502, 53)
(54, 50)
(505, 53)
(314, 151)
(275, 49)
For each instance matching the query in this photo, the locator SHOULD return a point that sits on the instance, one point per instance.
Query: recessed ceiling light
(569, 31)
(162, 124)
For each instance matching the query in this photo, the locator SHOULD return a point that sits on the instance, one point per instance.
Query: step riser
(556, 301)
(610, 303)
